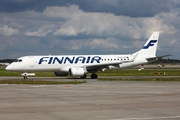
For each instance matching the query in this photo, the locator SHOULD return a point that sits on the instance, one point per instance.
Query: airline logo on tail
(151, 43)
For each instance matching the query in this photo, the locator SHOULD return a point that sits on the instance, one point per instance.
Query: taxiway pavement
(94, 100)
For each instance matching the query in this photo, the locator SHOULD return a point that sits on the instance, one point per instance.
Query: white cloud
(65, 32)
(8, 31)
(70, 12)
(95, 30)
(174, 42)
(72, 45)
(101, 43)
(157, 24)
(41, 32)
(105, 25)
(38, 33)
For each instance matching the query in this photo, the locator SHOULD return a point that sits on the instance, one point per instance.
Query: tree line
(6, 60)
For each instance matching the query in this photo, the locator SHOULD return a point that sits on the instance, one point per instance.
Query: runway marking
(150, 118)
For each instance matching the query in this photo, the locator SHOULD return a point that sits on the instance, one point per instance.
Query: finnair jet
(80, 65)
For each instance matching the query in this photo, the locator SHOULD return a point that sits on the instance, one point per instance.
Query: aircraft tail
(148, 51)
(146, 54)
(150, 47)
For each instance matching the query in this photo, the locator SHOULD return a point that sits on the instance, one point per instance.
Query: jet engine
(77, 71)
(58, 73)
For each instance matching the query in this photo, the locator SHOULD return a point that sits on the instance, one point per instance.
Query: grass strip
(39, 82)
(140, 79)
(125, 72)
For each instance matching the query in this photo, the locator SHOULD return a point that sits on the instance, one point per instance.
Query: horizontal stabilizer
(157, 57)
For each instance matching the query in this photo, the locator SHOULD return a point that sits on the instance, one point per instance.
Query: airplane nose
(9, 67)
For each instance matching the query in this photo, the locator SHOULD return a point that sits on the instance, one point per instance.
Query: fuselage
(63, 63)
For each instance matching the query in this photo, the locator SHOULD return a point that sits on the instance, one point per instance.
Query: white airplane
(80, 65)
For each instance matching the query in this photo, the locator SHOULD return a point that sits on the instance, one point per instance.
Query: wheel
(25, 77)
(84, 76)
(94, 76)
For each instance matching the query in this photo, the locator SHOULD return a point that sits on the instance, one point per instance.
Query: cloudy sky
(39, 27)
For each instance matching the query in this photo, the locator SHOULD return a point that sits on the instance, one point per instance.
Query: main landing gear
(84, 76)
(94, 76)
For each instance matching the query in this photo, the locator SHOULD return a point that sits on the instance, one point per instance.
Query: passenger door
(31, 61)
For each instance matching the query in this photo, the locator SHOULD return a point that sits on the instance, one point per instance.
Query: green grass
(38, 74)
(141, 79)
(125, 72)
(145, 72)
(39, 82)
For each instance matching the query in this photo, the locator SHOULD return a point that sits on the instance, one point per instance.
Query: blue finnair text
(69, 60)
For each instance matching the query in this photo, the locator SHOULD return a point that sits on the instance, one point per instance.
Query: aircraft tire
(94, 76)
(25, 77)
(82, 77)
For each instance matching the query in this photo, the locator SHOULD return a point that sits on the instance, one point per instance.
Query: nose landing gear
(25, 75)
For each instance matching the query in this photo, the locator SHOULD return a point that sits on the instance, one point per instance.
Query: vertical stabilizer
(150, 47)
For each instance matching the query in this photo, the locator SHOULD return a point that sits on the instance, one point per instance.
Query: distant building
(4, 64)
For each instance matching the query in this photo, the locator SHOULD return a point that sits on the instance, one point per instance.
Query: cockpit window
(18, 60)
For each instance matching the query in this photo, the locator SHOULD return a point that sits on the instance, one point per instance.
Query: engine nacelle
(58, 73)
(77, 71)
